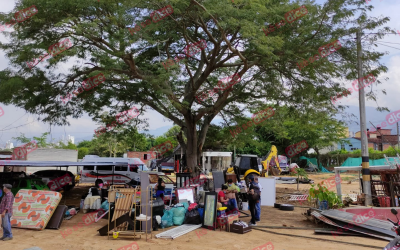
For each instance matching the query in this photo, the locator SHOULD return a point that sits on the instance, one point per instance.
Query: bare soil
(87, 237)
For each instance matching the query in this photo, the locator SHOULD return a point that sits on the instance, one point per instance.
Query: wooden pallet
(123, 204)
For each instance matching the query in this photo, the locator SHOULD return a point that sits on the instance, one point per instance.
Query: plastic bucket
(245, 206)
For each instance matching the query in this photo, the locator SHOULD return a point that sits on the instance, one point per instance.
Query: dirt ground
(87, 237)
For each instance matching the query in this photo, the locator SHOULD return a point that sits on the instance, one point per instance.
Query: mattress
(33, 208)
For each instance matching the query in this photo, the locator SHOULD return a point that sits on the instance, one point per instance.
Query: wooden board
(123, 204)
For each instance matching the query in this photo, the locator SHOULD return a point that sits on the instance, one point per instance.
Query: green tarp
(314, 161)
(352, 162)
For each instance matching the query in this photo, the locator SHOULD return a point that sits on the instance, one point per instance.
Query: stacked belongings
(192, 216)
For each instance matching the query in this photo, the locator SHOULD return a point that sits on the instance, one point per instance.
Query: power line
(17, 126)
(387, 42)
(388, 46)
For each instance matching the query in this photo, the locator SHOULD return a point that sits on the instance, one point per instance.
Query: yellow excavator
(248, 164)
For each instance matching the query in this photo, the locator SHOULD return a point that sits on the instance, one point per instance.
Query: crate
(239, 229)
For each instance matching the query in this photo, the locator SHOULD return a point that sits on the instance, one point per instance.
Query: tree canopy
(131, 62)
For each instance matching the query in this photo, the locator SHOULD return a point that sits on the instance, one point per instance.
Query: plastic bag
(179, 215)
(166, 220)
(105, 205)
(192, 217)
(201, 212)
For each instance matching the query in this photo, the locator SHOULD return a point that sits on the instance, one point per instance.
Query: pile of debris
(361, 224)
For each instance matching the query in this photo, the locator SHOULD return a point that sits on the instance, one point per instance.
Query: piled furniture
(127, 200)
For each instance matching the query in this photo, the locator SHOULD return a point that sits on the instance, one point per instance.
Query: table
(91, 202)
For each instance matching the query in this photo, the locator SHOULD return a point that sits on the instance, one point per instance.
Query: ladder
(393, 164)
(178, 231)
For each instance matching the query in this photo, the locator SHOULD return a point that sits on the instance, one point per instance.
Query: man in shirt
(231, 193)
(6, 212)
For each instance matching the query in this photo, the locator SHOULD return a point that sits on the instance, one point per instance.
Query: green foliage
(84, 144)
(22, 138)
(42, 140)
(336, 158)
(82, 152)
(323, 194)
(70, 145)
(340, 151)
(287, 127)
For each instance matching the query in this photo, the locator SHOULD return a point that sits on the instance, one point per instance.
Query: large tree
(132, 62)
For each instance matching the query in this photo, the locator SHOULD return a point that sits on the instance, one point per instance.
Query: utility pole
(398, 136)
(366, 175)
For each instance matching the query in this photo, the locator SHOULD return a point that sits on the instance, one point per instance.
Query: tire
(277, 205)
(286, 207)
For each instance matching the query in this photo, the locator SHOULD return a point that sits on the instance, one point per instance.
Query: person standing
(253, 197)
(160, 188)
(232, 191)
(6, 212)
(258, 204)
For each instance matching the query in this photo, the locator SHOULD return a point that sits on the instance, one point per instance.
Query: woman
(223, 199)
(160, 187)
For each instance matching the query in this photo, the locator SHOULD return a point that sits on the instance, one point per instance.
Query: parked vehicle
(247, 164)
(49, 175)
(395, 243)
(23, 183)
(120, 170)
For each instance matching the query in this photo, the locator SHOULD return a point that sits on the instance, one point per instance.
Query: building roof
(387, 139)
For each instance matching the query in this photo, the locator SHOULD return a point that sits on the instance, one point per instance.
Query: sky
(16, 120)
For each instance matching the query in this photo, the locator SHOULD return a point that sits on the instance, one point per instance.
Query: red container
(384, 201)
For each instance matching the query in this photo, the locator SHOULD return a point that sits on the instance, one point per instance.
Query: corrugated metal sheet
(345, 226)
(380, 226)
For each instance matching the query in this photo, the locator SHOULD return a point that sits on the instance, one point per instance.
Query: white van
(125, 169)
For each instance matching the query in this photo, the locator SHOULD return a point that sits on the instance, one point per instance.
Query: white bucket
(245, 206)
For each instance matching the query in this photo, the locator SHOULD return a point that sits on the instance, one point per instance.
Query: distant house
(350, 144)
(145, 156)
(375, 140)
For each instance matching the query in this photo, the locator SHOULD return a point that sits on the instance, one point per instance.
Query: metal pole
(398, 135)
(363, 127)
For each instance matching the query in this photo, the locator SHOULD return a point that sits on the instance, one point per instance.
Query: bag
(166, 220)
(179, 215)
(256, 196)
(192, 217)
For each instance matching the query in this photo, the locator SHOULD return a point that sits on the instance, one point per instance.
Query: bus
(108, 170)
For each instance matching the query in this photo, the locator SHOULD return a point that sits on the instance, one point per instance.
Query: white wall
(51, 154)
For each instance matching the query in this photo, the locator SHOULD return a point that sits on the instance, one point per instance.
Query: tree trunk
(191, 146)
(318, 155)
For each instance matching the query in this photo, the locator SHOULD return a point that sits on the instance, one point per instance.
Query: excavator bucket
(274, 171)
(272, 156)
